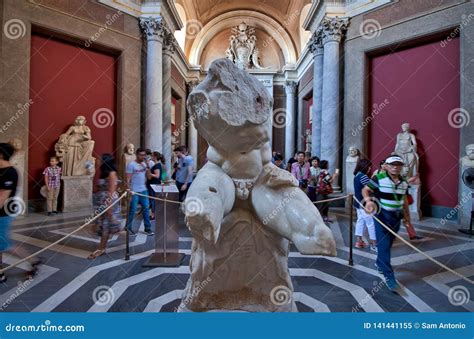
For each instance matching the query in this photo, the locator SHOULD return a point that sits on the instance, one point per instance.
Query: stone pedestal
(415, 211)
(349, 176)
(260, 284)
(77, 193)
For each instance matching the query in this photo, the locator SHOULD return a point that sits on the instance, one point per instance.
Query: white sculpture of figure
(308, 140)
(74, 149)
(18, 161)
(241, 209)
(128, 156)
(242, 48)
(468, 159)
(351, 162)
(406, 147)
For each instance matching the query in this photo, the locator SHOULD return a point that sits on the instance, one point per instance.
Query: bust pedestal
(415, 211)
(77, 193)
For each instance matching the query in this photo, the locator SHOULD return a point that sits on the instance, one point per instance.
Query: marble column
(332, 34)
(316, 47)
(192, 131)
(290, 119)
(169, 47)
(153, 30)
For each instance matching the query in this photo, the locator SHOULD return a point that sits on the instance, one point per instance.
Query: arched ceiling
(285, 13)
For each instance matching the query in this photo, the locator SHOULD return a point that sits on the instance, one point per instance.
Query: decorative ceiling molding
(234, 18)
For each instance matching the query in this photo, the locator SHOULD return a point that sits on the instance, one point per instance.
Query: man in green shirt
(390, 190)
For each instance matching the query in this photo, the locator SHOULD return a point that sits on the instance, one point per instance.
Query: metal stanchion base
(158, 260)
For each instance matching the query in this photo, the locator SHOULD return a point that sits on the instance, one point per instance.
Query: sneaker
(50, 214)
(392, 284)
(149, 232)
(373, 248)
(360, 244)
(55, 212)
(132, 233)
(378, 269)
(3, 278)
(415, 238)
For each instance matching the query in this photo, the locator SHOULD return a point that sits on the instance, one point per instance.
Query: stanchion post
(351, 231)
(127, 234)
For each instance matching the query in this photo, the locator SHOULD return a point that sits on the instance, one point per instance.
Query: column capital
(316, 42)
(170, 45)
(153, 28)
(290, 86)
(333, 28)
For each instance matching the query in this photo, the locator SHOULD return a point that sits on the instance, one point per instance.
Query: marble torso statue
(241, 209)
(242, 48)
(351, 162)
(406, 147)
(74, 149)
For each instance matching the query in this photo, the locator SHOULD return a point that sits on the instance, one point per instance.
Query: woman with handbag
(325, 188)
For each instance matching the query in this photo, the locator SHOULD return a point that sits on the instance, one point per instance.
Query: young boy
(52, 178)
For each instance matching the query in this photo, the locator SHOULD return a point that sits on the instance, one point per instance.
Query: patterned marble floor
(69, 282)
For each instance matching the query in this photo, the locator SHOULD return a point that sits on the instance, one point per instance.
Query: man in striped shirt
(390, 191)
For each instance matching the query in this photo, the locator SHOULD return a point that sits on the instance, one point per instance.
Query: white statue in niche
(351, 162)
(242, 48)
(127, 157)
(406, 147)
(241, 209)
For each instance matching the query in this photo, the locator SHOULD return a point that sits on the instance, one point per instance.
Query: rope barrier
(154, 198)
(418, 250)
(332, 199)
(66, 236)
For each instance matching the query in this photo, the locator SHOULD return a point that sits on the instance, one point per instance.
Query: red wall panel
(422, 86)
(66, 81)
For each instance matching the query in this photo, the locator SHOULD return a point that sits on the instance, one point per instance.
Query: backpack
(324, 184)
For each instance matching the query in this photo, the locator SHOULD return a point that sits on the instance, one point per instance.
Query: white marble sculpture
(241, 209)
(74, 149)
(468, 159)
(351, 162)
(467, 194)
(406, 147)
(127, 157)
(242, 48)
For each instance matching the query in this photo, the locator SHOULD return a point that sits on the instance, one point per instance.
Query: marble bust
(353, 154)
(127, 157)
(74, 149)
(242, 210)
(468, 159)
(406, 147)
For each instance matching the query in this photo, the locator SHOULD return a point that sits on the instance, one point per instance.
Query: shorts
(5, 223)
